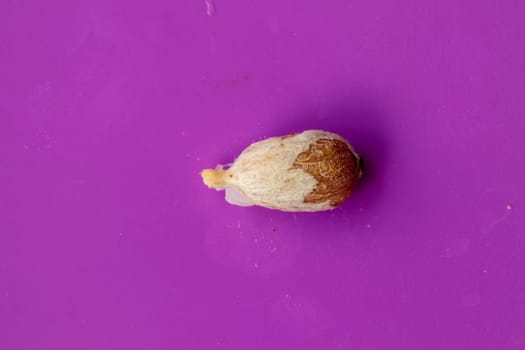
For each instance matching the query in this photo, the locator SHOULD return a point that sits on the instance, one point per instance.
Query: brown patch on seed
(334, 166)
(287, 136)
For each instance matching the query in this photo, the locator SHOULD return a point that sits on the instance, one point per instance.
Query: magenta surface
(110, 109)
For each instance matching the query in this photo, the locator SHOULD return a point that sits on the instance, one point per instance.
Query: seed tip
(214, 178)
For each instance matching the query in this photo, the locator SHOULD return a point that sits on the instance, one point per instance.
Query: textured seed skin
(310, 171)
(334, 166)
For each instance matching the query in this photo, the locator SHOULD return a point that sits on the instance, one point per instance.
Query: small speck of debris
(210, 7)
(368, 226)
(274, 229)
(508, 207)
(485, 271)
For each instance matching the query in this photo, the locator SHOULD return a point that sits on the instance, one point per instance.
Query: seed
(311, 171)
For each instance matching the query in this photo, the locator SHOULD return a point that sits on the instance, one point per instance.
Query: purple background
(110, 109)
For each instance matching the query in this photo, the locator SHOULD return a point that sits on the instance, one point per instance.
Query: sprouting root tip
(214, 178)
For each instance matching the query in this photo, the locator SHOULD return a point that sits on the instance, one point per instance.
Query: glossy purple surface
(110, 109)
